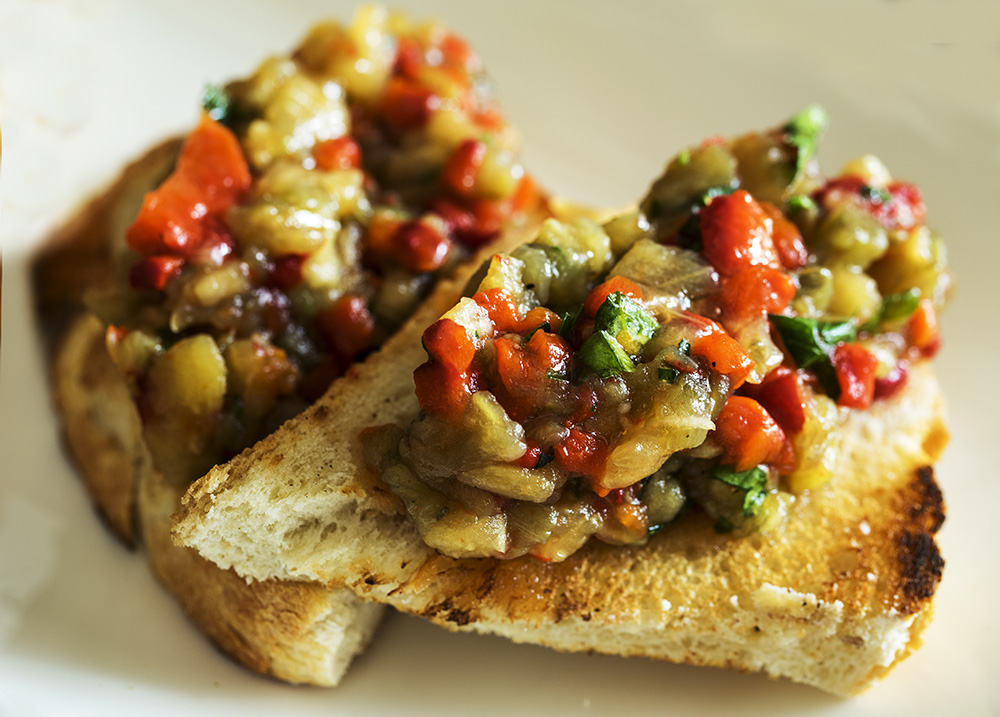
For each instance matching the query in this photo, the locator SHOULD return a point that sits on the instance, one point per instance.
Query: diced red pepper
(855, 368)
(585, 454)
(210, 176)
(788, 242)
(537, 317)
(527, 195)
(409, 58)
(755, 291)
(924, 332)
(890, 384)
(154, 272)
(448, 343)
(442, 391)
(420, 247)
(725, 355)
(749, 436)
(348, 326)
(463, 166)
(503, 311)
(734, 231)
(904, 209)
(287, 271)
(599, 294)
(782, 394)
(525, 371)
(531, 456)
(407, 105)
(457, 54)
(339, 153)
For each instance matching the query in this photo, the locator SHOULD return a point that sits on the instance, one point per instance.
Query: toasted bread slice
(834, 598)
(295, 632)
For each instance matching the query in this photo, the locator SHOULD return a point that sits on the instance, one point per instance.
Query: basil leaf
(620, 314)
(602, 352)
(544, 326)
(668, 374)
(894, 307)
(874, 194)
(215, 102)
(810, 343)
(569, 320)
(803, 132)
(753, 481)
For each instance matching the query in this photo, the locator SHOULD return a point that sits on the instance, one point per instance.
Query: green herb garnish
(626, 320)
(874, 194)
(602, 352)
(544, 326)
(667, 373)
(894, 307)
(554, 375)
(803, 132)
(810, 343)
(216, 103)
(569, 320)
(753, 481)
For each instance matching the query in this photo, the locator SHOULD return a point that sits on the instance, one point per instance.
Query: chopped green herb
(545, 326)
(667, 373)
(894, 307)
(545, 458)
(569, 320)
(215, 101)
(800, 202)
(874, 194)
(683, 158)
(718, 191)
(684, 346)
(626, 320)
(803, 132)
(556, 376)
(753, 481)
(602, 352)
(810, 343)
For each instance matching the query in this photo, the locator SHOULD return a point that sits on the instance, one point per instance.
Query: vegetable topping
(699, 351)
(307, 215)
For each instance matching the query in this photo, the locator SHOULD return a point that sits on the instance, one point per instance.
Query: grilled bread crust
(834, 597)
(292, 631)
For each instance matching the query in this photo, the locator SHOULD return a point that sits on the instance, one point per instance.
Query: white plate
(603, 95)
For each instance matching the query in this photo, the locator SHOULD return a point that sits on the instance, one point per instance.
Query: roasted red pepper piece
(734, 231)
(749, 436)
(211, 175)
(783, 396)
(583, 453)
(855, 367)
(348, 326)
(338, 153)
(599, 294)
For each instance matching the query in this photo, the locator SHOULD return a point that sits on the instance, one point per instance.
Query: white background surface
(604, 94)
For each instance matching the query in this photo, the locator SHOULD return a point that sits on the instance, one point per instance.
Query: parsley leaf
(602, 352)
(216, 103)
(803, 132)
(810, 343)
(753, 481)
